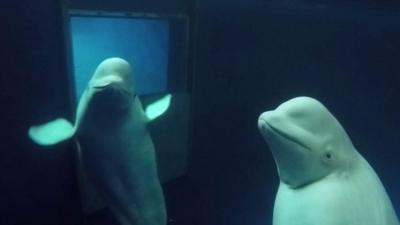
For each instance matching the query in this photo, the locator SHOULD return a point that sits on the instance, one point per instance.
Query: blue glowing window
(142, 42)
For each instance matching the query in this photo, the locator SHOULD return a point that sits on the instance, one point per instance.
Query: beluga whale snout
(113, 71)
(323, 178)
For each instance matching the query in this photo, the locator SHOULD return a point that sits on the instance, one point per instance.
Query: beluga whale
(324, 180)
(116, 151)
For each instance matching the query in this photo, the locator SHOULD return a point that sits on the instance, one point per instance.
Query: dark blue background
(246, 57)
(36, 187)
(253, 55)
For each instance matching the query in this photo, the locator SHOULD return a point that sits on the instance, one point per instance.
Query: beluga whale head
(307, 142)
(113, 71)
(108, 96)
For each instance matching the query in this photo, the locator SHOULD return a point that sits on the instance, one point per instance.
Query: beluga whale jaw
(323, 178)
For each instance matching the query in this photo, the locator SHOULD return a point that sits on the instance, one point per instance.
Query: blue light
(142, 42)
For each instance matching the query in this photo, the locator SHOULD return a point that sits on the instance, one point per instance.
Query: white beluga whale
(323, 178)
(116, 150)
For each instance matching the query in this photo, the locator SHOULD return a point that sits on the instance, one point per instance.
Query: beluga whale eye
(328, 155)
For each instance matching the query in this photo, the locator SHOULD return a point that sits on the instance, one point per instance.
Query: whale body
(117, 152)
(323, 178)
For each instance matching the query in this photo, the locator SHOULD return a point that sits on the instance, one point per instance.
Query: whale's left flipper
(158, 107)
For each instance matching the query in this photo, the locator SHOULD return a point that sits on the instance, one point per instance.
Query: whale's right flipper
(52, 132)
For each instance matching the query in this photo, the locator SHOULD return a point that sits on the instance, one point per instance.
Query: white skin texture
(323, 179)
(117, 151)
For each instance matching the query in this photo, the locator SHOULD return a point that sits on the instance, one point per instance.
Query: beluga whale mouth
(113, 89)
(266, 127)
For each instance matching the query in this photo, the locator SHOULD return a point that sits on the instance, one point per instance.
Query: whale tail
(52, 132)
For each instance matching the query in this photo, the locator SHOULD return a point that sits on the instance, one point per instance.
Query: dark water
(246, 58)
